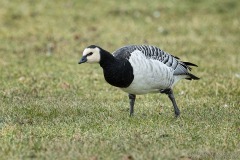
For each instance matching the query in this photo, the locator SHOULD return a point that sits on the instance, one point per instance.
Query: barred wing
(152, 52)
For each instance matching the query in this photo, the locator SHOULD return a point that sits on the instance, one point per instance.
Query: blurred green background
(53, 108)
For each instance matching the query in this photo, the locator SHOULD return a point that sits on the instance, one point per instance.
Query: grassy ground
(53, 108)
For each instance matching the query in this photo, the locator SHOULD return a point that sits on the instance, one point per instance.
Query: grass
(53, 108)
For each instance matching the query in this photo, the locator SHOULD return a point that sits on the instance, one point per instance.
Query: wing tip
(192, 77)
(190, 64)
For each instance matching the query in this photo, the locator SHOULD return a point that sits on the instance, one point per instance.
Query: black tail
(191, 76)
(190, 64)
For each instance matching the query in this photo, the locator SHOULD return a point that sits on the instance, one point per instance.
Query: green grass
(53, 108)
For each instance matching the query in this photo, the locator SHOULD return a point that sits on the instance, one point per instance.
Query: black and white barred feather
(152, 52)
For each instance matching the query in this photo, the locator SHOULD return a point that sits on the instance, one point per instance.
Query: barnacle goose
(140, 69)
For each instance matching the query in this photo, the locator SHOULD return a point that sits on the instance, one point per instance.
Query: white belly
(149, 75)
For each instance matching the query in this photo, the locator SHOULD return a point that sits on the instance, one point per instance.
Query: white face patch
(94, 57)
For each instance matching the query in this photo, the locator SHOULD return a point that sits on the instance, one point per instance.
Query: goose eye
(89, 54)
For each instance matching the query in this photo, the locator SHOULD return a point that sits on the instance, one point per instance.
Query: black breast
(117, 70)
(119, 73)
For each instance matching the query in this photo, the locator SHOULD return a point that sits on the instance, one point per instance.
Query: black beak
(83, 60)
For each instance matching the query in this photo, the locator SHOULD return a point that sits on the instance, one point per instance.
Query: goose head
(91, 54)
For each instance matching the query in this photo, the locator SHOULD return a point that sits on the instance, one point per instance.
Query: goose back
(155, 53)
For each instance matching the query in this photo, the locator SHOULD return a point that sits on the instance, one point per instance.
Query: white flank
(149, 75)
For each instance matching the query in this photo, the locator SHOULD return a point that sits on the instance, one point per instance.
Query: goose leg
(132, 98)
(170, 94)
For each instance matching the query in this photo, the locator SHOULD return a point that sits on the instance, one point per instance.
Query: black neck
(106, 58)
(117, 72)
